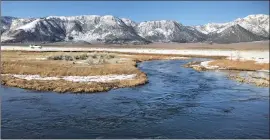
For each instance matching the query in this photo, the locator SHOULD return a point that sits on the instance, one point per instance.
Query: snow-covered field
(256, 55)
(101, 78)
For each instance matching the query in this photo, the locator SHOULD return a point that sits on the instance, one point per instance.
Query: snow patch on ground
(34, 77)
(106, 78)
(264, 71)
(175, 58)
(205, 64)
(41, 58)
(101, 78)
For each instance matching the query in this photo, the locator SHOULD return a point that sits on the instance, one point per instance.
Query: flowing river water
(177, 102)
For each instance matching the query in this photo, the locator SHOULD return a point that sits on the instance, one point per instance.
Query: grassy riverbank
(256, 73)
(56, 65)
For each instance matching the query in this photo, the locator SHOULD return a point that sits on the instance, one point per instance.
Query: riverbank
(76, 72)
(249, 71)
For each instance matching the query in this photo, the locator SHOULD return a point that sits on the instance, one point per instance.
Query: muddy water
(176, 103)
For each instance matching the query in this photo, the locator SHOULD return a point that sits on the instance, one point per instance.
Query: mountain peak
(112, 29)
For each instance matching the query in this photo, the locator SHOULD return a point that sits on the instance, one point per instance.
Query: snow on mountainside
(211, 27)
(29, 26)
(158, 30)
(257, 24)
(107, 29)
(5, 23)
(129, 22)
(92, 28)
(113, 30)
(167, 31)
(235, 34)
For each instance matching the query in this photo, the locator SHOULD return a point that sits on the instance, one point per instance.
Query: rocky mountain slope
(256, 24)
(5, 23)
(113, 30)
(234, 34)
(168, 31)
(104, 29)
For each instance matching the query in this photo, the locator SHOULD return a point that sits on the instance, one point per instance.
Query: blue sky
(187, 13)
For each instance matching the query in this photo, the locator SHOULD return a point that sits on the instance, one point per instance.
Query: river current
(177, 102)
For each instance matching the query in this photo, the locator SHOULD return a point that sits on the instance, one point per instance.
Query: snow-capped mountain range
(257, 24)
(113, 30)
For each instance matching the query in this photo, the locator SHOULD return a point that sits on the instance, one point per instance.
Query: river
(177, 102)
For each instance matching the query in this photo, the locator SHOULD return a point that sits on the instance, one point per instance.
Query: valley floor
(94, 69)
(255, 51)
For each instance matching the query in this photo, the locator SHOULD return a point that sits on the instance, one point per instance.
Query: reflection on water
(176, 103)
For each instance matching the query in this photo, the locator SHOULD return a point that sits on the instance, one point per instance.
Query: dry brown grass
(52, 68)
(63, 86)
(26, 63)
(149, 56)
(240, 65)
(26, 55)
(258, 81)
